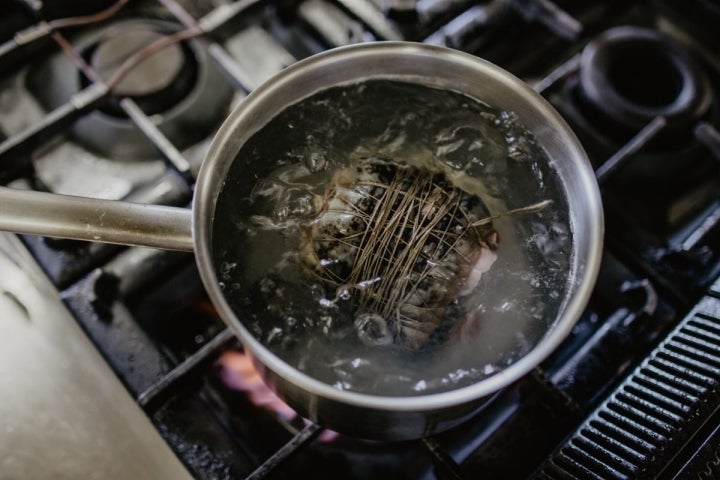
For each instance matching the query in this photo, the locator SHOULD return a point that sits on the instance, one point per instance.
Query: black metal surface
(651, 415)
(147, 312)
(303, 437)
(629, 149)
(160, 391)
(630, 75)
(445, 465)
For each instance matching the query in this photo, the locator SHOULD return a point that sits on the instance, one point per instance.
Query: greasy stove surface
(634, 391)
(63, 414)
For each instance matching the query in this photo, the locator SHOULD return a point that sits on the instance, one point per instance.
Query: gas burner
(630, 75)
(179, 87)
(155, 84)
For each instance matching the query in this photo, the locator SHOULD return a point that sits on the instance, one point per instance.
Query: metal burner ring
(633, 74)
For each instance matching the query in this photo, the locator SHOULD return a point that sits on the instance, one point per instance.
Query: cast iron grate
(638, 430)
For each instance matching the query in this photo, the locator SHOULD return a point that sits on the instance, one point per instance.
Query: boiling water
(274, 186)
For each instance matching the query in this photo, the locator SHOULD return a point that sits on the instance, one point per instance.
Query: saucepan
(365, 414)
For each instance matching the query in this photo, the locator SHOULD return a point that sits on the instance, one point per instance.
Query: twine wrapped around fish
(405, 241)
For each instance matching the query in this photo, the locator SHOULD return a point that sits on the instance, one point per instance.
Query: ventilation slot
(678, 366)
(623, 437)
(669, 403)
(587, 459)
(564, 467)
(626, 453)
(683, 392)
(650, 426)
(604, 455)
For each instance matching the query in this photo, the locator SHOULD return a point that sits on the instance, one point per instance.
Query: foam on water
(276, 181)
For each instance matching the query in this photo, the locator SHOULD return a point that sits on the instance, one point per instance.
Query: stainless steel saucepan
(358, 414)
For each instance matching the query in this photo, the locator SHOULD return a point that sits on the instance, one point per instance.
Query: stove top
(87, 108)
(60, 396)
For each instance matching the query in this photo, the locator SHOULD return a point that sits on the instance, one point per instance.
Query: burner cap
(157, 82)
(152, 75)
(633, 74)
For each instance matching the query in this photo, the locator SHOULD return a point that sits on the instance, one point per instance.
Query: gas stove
(88, 108)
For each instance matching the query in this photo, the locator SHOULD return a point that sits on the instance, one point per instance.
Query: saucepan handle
(106, 221)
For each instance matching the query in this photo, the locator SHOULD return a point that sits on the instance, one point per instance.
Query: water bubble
(301, 204)
(265, 188)
(316, 162)
(343, 293)
(458, 375)
(454, 145)
(281, 213)
(358, 362)
(506, 306)
(226, 268)
(267, 285)
(317, 291)
(372, 329)
(325, 322)
(274, 335)
(326, 303)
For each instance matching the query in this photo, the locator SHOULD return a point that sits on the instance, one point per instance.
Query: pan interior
(273, 194)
